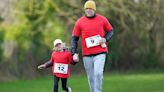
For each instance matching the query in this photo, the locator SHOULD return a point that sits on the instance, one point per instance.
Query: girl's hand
(42, 66)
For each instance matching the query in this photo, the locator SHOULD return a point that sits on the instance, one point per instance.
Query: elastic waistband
(96, 54)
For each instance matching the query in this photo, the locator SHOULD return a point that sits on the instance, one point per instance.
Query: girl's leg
(64, 84)
(56, 81)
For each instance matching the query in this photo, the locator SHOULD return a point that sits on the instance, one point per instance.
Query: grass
(150, 82)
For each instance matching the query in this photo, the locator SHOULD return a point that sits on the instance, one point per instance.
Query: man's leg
(99, 61)
(56, 81)
(89, 68)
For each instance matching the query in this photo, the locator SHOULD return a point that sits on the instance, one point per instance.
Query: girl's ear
(63, 44)
(54, 49)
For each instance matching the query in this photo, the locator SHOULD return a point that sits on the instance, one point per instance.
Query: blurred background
(29, 27)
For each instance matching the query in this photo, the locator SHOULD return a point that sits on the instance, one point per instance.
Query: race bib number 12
(61, 68)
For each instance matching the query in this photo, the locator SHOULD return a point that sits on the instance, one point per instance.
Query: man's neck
(90, 17)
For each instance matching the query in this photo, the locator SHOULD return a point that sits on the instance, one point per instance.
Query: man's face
(89, 12)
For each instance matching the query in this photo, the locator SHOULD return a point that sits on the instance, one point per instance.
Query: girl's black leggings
(56, 83)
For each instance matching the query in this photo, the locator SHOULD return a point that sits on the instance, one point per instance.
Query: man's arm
(74, 43)
(109, 35)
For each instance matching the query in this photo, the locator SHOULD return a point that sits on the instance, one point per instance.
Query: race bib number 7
(61, 68)
(93, 41)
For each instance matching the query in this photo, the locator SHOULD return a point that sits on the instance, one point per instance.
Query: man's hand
(102, 41)
(76, 57)
(42, 66)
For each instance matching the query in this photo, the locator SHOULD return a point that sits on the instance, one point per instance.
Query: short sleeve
(70, 57)
(107, 25)
(76, 30)
(52, 59)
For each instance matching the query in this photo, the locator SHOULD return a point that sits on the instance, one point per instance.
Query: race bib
(93, 41)
(61, 68)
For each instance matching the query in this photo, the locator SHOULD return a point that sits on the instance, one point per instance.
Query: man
(95, 31)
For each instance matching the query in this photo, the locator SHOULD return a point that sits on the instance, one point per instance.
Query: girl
(60, 61)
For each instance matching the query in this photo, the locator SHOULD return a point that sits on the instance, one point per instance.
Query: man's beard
(91, 16)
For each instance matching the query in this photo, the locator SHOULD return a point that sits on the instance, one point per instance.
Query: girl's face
(89, 12)
(59, 47)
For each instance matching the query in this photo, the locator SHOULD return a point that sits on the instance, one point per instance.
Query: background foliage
(29, 27)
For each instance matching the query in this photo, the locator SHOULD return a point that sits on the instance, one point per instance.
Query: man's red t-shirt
(61, 63)
(88, 27)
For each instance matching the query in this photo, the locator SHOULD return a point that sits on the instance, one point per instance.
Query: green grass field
(151, 82)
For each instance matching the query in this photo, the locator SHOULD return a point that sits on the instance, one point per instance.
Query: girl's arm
(45, 65)
(48, 64)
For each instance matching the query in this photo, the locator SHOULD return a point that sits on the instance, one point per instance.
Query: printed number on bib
(60, 68)
(93, 41)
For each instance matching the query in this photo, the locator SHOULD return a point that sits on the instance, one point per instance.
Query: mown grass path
(112, 83)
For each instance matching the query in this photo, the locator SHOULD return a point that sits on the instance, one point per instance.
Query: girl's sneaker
(69, 89)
